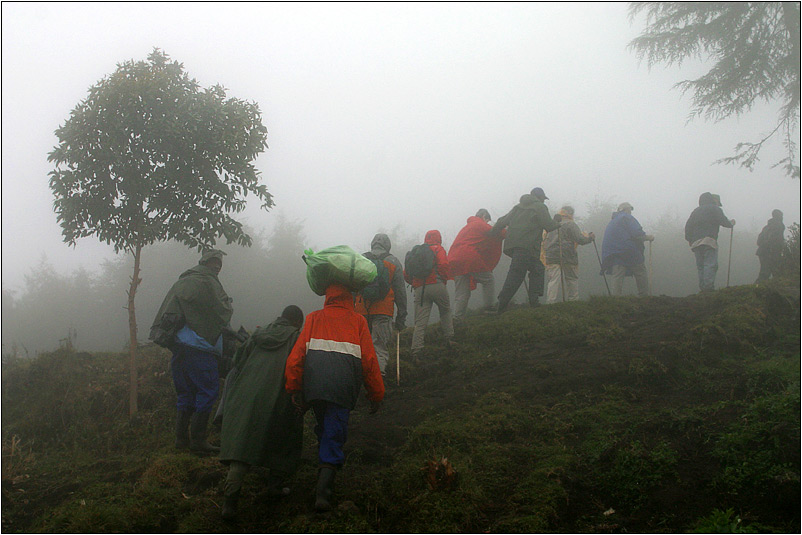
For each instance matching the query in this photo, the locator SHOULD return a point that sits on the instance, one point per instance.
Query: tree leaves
(151, 156)
(755, 47)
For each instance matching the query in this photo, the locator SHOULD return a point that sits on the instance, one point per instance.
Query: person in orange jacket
(332, 357)
(432, 291)
(380, 313)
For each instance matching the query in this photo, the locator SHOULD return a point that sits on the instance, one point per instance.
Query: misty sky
(385, 114)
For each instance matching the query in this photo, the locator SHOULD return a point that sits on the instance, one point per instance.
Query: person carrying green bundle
(261, 427)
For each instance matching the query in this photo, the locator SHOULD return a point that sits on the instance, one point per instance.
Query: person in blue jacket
(622, 250)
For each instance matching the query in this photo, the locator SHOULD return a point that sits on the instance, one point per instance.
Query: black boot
(182, 419)
(325, 487)
(230, 506)
(197, 433)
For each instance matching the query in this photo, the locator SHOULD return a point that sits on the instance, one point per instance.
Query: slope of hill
(612, 415)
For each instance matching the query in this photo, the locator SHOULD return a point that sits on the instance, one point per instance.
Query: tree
(150, 156)
(755, 47)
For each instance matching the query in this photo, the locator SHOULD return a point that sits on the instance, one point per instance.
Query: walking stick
(600, 266)
(398, 357)
(729, 260)
(650, 268)
(562, 275)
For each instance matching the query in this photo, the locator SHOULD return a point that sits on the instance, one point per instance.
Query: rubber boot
(325, 487)
(182, 419)
(197, 432)
(230, 506)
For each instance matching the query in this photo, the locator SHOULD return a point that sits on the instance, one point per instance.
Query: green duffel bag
(338, 264)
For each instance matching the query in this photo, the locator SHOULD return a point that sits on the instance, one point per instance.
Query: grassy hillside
(612, 415)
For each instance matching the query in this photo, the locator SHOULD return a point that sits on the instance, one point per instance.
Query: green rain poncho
(260, 424)
(200, 299)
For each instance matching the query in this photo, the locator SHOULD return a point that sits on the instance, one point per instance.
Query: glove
(400, 325)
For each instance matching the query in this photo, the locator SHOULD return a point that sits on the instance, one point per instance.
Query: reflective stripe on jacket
(334, 354)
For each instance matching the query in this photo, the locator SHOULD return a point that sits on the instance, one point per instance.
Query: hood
(527, 199)
(474, 219)
(338, 295)
(199, 271)
(566, 215)
(380, 245)
(706, 198)
(433, 238)
(274, 335)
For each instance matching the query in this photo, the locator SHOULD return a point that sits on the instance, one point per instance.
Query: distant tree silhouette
(149, 156)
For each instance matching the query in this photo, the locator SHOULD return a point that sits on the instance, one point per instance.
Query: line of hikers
(320, 362)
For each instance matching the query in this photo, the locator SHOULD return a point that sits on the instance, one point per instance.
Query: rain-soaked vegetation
(656, 414)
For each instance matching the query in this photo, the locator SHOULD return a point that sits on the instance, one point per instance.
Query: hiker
(261, 426)
(199, 310)
(333, 355)
(525, 224)
(701, 233)
(560, 257)
(379, 312)
(471, 260)
(430, 290)
(770, 243)
(622, 250)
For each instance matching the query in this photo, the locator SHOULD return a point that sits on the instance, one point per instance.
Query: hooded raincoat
(475, 249)
(441, 272)
(200, 299)
(261, 426)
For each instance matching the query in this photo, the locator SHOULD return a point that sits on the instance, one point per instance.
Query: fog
(396, 117)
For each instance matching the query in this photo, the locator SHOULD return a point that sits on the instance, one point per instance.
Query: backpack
(380, 286)
(763, 237)
(339, 264)
(419, 262)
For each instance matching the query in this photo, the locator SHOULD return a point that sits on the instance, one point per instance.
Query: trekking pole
(729, 260)
(600, 267)
(562, 275)
(398, 357)
(650, 268)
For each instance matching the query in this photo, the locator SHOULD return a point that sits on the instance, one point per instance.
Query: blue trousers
(331, 431)
(195, 379)
(706, 266)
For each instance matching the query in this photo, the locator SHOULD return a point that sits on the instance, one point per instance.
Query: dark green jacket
(260, 424)
(200, 299)
(525, 225)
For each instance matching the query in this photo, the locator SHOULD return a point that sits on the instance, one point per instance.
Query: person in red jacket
(432, 291)
(471, 259)
(333, 356)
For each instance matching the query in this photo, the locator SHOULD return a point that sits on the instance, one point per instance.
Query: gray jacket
(380, 247)
(569, 235)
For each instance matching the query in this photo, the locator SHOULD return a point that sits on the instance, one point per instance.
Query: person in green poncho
(261, 426)
(194, 317)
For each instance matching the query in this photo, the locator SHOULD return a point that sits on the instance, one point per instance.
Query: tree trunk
(132, 346)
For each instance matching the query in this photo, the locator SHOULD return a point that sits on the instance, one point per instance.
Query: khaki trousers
(435, 294)
(571, 274)
(641, 278)
(462, 291)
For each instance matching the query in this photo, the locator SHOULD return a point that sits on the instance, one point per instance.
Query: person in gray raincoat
(261, 426)
(192, 320)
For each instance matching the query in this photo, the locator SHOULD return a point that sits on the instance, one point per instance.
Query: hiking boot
(325, 487)
(416, 358)
(197, 432)
(182, 420)
(230, 506)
